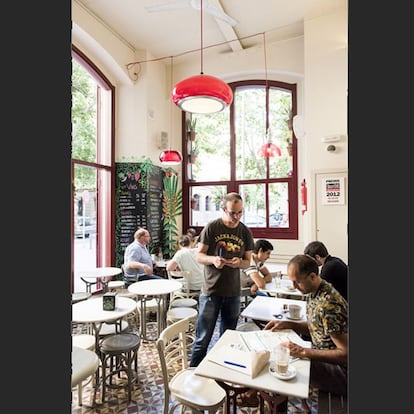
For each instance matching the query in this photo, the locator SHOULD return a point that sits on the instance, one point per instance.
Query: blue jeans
(209, 308)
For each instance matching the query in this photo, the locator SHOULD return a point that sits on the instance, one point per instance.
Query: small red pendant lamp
(171, 157)
(268, 149)
(202, 94)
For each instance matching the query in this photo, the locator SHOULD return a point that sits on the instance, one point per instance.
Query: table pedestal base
(232, 391)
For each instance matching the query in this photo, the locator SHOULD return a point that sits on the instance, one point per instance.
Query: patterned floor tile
(148, 394)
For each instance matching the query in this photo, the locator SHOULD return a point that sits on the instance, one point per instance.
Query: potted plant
(193, 153)
(289, 148)
(289, 117)
(191, 128)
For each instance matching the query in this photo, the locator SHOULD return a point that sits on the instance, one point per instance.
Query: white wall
(317, 62)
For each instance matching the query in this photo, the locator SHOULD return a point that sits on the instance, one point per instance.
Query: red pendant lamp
(202, 94)
(268, 149)
(171, 157)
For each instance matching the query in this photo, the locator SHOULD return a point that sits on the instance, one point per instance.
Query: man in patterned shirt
(327, 326)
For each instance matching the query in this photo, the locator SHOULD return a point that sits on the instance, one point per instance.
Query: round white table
(159, 289)
(91, 311)
(103, 274)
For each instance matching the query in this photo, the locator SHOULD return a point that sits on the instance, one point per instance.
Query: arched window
(92, 168)
(231, 158)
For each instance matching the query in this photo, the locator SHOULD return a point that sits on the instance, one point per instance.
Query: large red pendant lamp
(202, 94)
(268, 149)
(171, 157)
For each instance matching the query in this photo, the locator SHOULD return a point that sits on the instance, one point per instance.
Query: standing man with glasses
(138, 264)
(225, 246)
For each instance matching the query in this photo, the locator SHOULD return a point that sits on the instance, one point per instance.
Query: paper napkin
(246, 362)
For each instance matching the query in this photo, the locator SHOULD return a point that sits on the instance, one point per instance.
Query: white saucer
(294, 319)
(291, 373)
(287, 289)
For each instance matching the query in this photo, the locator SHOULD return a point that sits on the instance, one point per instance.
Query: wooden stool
(120, 351)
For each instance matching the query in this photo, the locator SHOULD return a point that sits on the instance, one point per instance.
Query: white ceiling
(174, 32)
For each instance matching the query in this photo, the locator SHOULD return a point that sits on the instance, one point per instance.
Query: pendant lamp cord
(201, 37)
(266, 87)
(171, 103)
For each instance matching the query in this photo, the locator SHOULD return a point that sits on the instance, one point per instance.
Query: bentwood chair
(183, 297)
(181, 385)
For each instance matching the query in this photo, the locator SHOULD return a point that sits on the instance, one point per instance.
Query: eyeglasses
(234, 213)
(302, 279)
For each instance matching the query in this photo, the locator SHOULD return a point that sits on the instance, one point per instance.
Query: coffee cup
(294, 311)
(279, 361)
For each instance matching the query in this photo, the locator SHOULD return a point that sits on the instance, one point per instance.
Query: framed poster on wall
(333, 191)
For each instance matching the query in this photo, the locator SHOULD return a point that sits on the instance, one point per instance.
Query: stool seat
(110, 328)
(79, 296)
(180, 313)
(84, 364)
(118, 353)
(84, 341)
(116, 284)
(120, 343)
(184, 302)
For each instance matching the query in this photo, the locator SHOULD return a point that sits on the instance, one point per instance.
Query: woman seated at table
(257, 274)
(138, 264)
(192, 234)
(185, 259)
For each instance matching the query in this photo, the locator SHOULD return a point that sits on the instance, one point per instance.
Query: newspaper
(265, 340)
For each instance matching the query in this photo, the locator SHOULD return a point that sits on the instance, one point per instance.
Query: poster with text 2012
(333, 190)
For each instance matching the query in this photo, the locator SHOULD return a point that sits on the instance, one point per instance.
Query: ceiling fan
(215, 11)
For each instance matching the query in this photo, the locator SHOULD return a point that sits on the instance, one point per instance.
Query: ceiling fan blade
(216, 12)
(195, 4)
(185, 4)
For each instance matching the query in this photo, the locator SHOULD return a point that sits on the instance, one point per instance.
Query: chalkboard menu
(138, 204)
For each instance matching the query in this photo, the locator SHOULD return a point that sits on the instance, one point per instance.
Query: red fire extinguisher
(304, 197)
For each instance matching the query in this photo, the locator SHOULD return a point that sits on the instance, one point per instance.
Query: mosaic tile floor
(148, 394)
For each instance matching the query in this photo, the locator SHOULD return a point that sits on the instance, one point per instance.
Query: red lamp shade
(269, 150)
(202, 94)
(171, 157)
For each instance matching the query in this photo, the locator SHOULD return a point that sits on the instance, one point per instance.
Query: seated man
(257, 274)
(333, 270)
(138, 264)
(327, 325)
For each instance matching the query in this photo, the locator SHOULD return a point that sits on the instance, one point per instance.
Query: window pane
(207, 205)
(84, 114)
(278, 205)
(254, 212)
(85, 213)
(212, 146)
(250, 132)
(280, 117)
